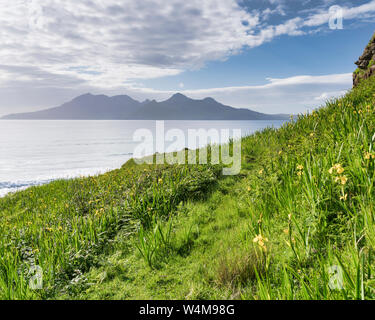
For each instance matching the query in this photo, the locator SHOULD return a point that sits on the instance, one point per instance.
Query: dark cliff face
(366, 63)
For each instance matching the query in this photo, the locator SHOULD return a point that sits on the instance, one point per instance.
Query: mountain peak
(178, 94)
(86, 95)
(178, 97)
(209, 99)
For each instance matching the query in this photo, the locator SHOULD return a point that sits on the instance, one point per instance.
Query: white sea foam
(11, 187)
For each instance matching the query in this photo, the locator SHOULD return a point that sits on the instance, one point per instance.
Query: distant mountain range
(178, 107)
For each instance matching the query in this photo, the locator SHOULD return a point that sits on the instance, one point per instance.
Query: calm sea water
(37, 152)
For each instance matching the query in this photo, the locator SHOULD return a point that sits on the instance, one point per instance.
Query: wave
(10, 187)
(7, 187)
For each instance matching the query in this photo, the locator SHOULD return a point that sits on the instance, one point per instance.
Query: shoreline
(21, 185)
(29, 184)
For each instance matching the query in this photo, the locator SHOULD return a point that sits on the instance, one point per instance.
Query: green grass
(360, 71)
(64, 226)
(304, 202)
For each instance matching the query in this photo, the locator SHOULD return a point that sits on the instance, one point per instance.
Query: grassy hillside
(304, 202)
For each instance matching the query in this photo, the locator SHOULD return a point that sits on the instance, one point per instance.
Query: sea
(36, 152)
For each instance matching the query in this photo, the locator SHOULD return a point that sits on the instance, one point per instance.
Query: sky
(271, 56)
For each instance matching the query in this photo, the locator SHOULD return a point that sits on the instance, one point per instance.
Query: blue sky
(318, 54)
(267, 55)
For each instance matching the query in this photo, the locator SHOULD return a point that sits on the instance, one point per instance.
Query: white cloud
(120, 40)
(328, 95)
(344, 79)
(268, 12)
(348, 13)
(301, 25)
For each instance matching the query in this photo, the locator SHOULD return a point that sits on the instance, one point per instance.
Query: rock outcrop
(366, 63)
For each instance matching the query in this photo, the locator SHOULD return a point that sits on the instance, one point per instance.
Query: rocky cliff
(366, 63)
